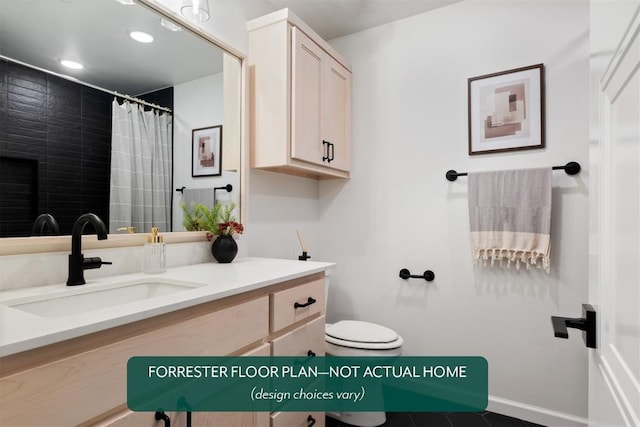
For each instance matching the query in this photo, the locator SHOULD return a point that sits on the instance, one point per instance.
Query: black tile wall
(66, 128)
(162, 97)
(18, 183)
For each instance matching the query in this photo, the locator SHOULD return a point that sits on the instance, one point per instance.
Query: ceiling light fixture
(141, 37)
(169, 25)
(197, 10)
(71, 64)
(127, 2)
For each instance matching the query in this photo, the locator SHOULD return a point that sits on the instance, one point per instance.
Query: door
(306, 106)
(614, 277)
(336, 113)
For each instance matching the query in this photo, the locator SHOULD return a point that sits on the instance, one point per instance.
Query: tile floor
(445, 419)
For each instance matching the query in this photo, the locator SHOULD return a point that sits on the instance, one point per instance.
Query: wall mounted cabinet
(300, 105)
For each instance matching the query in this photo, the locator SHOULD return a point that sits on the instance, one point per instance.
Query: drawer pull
(311, 353)
(310, 421)
(160, 415)
(182, 403)
(306, 304)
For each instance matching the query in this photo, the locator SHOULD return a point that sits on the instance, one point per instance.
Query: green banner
(420, 384)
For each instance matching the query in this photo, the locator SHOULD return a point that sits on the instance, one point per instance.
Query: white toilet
(356, 338)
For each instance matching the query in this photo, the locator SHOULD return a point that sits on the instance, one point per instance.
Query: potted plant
(217, 221)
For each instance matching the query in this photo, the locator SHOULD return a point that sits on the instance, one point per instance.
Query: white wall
(192, 112)
(280, 205)
(399, 211)
(409, 127)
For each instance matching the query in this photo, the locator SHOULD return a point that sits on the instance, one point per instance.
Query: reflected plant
(216, 221)
(192, 217)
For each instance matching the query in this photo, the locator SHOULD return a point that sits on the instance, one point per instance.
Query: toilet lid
(357, 334)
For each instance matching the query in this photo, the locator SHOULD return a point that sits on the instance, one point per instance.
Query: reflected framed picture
(206, 159)
(506, 110)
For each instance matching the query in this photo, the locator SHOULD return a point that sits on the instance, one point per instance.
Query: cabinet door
(336, 113)
(306, 104)
(128, 418)
(235, 419)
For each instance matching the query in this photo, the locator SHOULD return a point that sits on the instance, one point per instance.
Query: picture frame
(506, 110)
(206, 146)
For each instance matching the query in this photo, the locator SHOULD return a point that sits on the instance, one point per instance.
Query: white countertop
(21, 330)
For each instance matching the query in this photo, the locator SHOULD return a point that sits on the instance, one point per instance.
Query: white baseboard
(534, 414)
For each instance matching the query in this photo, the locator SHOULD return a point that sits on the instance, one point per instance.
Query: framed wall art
(506, 110)
(207, 151)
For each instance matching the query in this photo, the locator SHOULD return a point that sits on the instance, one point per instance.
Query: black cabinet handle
(160, 415)
(182, 403)
(306, 304)
(332, 146)
(310, 353)
(310, 421)
(326, 145)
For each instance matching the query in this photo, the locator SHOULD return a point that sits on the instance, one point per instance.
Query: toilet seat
(362, 335)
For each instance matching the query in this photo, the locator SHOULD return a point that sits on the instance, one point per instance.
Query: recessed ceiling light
(141, 37)
(71, 64)
(127, 2)
(169, 25)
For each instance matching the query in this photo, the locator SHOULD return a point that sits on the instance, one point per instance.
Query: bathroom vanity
(70, 369)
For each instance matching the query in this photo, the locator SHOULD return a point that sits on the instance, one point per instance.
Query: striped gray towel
(510, 217)
(203, 196)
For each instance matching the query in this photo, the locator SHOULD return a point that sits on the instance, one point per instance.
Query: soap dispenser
(154, 253)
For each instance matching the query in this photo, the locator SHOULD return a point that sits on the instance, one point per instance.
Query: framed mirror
(60, 125)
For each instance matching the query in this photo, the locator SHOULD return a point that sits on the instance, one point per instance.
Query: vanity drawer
(297, 419)
(77, 388)
(128, 418)
(298, 303)
(298, 342)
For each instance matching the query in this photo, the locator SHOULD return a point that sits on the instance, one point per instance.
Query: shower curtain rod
(73, 79)
(138, 100)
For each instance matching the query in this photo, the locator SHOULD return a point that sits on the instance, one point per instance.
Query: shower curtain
(141, 168)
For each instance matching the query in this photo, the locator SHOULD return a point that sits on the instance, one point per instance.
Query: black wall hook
(427, 275)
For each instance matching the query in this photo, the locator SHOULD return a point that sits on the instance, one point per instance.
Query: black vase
(224, 249)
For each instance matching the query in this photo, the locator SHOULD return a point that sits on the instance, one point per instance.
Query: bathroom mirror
(203, 79)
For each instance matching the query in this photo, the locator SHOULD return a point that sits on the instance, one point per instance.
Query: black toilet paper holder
(427, 275)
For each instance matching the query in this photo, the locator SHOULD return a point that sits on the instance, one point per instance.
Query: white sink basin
(84, 298)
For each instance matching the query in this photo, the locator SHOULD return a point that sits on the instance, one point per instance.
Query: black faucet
(77, 261)
(45, 220)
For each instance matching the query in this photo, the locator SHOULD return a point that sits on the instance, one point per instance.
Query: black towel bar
(227, 187)
(570, 168)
